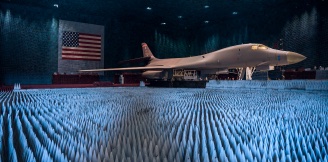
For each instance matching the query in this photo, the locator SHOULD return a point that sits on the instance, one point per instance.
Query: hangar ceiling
(178, 13)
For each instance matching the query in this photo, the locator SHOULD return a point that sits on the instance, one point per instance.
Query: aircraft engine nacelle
(264, 68)
(222, 71)
(152, 74)
(214, 71)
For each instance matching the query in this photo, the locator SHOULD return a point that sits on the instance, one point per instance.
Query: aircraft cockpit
(259, 46)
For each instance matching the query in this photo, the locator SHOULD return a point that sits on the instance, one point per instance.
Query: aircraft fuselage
(239, 56)
(245, 55)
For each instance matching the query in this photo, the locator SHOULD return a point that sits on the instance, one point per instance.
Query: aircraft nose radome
(293, 57)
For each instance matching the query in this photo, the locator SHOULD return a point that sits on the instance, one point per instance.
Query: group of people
(223, 77)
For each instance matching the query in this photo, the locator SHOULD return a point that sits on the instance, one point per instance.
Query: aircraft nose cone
(293, 57)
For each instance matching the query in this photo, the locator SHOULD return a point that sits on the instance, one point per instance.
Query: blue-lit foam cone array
(149, 124)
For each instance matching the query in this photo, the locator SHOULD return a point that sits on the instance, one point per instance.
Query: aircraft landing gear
(248, 71)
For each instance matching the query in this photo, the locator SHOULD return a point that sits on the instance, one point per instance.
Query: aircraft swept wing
(245, 56)
(129, 68)
(136, 60)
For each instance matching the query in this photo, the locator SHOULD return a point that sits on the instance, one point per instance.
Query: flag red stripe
(86, 57)
(94, 35)
(80, 59)
(71, 54)
(78, 50)
(94, 39)
(89, 47)
(89, 42)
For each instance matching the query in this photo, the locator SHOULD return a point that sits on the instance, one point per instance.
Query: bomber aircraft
(245, 58)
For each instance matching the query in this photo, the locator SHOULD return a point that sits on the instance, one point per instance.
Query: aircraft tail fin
(146, 51)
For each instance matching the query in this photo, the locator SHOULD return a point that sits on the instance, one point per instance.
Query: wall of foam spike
(156, 124)
(315, 85)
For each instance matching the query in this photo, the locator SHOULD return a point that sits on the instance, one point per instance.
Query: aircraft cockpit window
(260, 46)
(254, 47)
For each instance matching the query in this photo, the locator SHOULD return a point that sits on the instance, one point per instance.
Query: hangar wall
(72, 66)
(304, 31)
(27, 48)
(29, 42)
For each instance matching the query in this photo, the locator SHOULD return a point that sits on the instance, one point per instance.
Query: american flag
(80, 46)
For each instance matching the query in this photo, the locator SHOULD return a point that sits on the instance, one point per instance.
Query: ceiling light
(148, 8)
(206, 6)
(234, 13)
(180, 17)
(163, 23)
(56, 5)
(206, 22)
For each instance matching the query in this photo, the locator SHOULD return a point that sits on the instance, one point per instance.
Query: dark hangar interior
(51, 112)
(172, 28)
